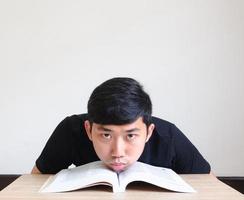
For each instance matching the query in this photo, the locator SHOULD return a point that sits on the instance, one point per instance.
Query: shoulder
(159, 150)
(162, 127)
(75, 121)
(166, 131)
(70, 126)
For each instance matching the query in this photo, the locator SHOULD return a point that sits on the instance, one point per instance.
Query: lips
(118, 166)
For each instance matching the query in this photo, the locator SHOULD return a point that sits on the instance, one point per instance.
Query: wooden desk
(207, 186)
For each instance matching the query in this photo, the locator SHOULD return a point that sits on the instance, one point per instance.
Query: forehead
(138, 124)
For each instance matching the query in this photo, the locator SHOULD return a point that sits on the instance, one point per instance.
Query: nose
(118, 148)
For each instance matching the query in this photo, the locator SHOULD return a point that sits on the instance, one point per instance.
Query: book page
(162, 177)
(94, 173)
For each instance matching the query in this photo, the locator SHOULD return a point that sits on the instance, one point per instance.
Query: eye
(106, 135)
(131, 136)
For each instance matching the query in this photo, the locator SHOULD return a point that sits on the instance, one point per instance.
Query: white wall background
(189, 55)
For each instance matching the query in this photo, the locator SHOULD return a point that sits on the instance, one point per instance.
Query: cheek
(101, 149)
(136, 147)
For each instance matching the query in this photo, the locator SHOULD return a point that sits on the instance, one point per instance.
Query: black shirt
(167, 147)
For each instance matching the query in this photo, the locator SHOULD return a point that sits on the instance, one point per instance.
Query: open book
(96, 173)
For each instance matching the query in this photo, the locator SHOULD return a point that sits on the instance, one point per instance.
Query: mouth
(118, 166)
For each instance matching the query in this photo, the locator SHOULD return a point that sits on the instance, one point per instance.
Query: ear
(88, 127)
(150, 131)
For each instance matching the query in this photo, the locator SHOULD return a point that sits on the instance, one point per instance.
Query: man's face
(119, 146)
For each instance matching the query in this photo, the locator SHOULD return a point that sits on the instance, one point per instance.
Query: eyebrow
(104, 129)
(132, 130)
(109, 130)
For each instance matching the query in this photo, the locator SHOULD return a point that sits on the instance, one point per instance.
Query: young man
(119, 130)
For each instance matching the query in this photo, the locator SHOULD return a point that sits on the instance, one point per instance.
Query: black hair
(119, 101)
